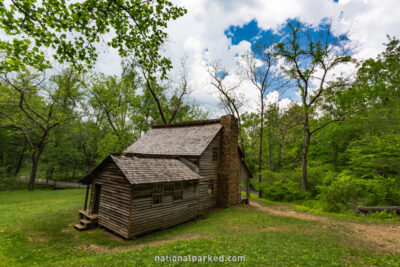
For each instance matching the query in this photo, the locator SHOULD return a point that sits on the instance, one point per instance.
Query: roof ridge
(188, 123)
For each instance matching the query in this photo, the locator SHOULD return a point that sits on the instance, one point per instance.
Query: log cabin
(174, 173)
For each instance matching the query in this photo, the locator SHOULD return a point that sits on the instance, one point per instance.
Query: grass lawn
(36, 228)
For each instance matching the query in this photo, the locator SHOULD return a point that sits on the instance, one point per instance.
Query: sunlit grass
(36, 228)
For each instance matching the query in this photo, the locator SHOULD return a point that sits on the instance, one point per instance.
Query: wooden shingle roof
(145, 170)
(183, 139)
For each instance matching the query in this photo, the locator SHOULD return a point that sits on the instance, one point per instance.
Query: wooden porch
(86, 220)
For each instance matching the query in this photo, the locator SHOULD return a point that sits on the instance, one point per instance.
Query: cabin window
(215, 154)
(158, 193)
(211, 186)
(178, 190)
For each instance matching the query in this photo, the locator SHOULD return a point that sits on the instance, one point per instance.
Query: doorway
(96, 198)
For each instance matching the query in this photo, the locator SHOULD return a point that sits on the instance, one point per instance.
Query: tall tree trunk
(19, 162)
(35, 162)
(32, 178)
(260, 146)
(279, 163)
(304, 153)
(269, 148)
(49, 174)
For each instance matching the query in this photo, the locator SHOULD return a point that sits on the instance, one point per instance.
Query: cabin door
(96, 198)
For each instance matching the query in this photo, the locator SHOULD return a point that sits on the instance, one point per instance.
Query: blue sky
(251, 32)
(223, 30)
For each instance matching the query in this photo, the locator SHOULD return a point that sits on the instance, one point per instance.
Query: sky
(225, 29)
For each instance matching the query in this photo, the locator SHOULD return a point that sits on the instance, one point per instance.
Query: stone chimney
(228, 191)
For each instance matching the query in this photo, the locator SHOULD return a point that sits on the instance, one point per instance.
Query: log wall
(147, 217)
(115, 199)
(208, 168)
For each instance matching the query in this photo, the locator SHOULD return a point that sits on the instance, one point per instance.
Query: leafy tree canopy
(74, 30)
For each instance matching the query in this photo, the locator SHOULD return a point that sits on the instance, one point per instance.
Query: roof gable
(184, 140)
(145, 170)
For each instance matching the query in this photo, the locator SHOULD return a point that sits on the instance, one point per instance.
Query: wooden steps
(85, 214)
(86, 220)
(80, 227)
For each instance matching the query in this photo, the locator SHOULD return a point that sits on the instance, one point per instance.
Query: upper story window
(215, 154)
(158, 193)
(178, 190)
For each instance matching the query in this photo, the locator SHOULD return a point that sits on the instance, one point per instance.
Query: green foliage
(350, 163)
(375, 155)
(74, 30)
(282, 186)
(282, 190)
(346, 191)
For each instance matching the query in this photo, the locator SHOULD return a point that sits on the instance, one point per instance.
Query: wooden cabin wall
(115, 199)
(209, 170)
(147, 217)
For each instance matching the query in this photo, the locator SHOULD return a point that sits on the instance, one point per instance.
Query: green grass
(36, 228)
(348, 216)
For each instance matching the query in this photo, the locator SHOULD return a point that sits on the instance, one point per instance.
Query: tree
(260, 69)
(74, 30)
(34, 109)
(158, 89)
(377, 90)
(285, 122)
(114, 102)
(230, 98)
(309, 55)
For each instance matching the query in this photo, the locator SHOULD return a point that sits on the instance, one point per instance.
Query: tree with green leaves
(310, 55)
(34, 108)
(114, 102)
(260, 69)
(74, 30)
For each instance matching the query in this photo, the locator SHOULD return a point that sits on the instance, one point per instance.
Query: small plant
(385, 214)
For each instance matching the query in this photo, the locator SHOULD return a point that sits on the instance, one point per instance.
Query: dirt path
(383, 237)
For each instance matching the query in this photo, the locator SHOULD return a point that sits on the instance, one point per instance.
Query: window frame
(157, 197)
(178, 191)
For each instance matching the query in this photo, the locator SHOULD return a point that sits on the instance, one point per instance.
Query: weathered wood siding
(208, 168)
(115, 199)
(146, 217)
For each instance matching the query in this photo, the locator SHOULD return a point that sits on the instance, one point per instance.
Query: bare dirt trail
(380, 236)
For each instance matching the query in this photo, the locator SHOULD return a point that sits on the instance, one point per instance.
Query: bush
(348, 191)
(316, 172)
(12, 183)
(323, 205)
(282, 190)
(383, 214)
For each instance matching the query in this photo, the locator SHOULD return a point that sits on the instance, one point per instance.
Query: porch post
(86, 198)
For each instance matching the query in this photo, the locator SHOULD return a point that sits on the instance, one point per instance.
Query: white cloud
(200, 33)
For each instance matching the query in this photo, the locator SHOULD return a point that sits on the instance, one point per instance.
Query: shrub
(12, 183)
(347, 190)
(282, 190)
(317, 171)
